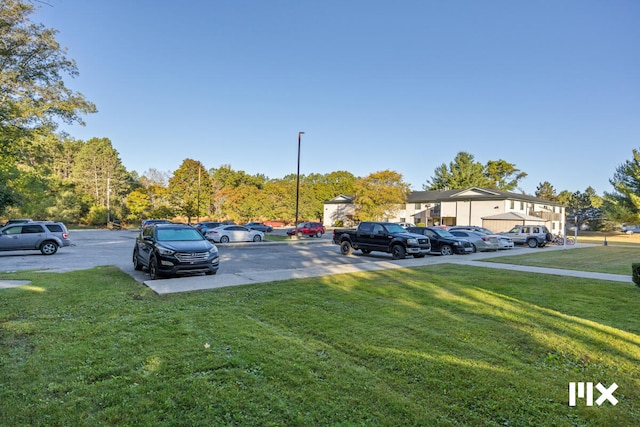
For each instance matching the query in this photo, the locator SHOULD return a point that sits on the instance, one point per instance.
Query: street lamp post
(297, 186)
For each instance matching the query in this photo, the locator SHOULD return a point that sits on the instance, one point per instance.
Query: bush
(97, 216)
(635, 270)
(339, 223)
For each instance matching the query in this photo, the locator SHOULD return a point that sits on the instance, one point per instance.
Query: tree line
(48, 175)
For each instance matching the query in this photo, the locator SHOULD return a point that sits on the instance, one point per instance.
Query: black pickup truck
(382, 237)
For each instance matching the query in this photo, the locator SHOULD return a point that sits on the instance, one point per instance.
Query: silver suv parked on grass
(45, 236)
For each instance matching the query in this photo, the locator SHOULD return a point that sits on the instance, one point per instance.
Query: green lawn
(444, 345)
(601, 259)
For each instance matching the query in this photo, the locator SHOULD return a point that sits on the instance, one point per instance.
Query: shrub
(635, 270)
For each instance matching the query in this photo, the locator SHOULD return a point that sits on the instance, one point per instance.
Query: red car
(308, 229)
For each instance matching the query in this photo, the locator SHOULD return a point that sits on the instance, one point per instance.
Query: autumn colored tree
(379, 195)
(189, 189)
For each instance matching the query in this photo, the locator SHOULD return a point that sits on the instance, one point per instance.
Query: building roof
(472, 193)
(340, 199)
(514, 216)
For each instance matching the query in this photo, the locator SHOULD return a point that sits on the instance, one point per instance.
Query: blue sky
(552, 86)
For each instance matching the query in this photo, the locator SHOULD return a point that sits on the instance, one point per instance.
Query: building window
(521, 206)
(416, 206)
(512, 204)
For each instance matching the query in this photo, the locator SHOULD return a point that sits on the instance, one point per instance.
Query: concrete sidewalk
(196, 283)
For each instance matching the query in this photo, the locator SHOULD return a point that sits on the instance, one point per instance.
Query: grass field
(602, 259)
(435, 346)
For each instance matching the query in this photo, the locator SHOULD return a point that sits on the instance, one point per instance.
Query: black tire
(224, 239)
(548, 237)
(532, 243)
(48, 248)
(346, 248)
(136, 264)
(398, 252)
(319, 234)
(475, 249)
(366, 251)
(257, 238)
(446, 250)
(153, 269)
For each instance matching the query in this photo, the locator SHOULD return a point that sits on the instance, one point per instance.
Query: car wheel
(153, 269)
(319, 234)
(398, 252)
(224, 239)
(257, 238)
(346, 248)
(532, 243)
(366, 251)
(446, 250)
(136, 264)
(475, 249)
(48, 248)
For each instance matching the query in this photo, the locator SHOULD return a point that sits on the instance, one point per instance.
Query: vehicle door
(10, 238)
(434, 238)
(364, 236)
(380, 238)
(237, 233)
(145, 244)
(21, 237)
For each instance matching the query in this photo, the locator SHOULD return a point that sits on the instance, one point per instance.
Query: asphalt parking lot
(241, 263)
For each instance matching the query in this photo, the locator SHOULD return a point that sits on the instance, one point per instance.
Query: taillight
(65, 235)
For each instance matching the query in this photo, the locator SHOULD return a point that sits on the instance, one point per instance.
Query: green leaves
(465, 172)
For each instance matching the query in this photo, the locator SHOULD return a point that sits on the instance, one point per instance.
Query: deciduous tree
(190, 189)
(33, 94)
(379, 195)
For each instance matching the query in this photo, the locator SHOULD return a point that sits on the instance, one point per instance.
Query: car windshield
(178, 234)
(484, 230)
(395, 228)
(443, 233)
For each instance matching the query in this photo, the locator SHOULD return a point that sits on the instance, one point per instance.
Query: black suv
(172, 249)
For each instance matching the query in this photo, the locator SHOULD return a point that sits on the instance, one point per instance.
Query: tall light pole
(298, 186)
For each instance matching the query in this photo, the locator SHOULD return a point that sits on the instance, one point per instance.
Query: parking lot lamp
(297, 187)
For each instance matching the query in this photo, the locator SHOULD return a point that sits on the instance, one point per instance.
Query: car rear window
(31, 229)
(55, 228)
